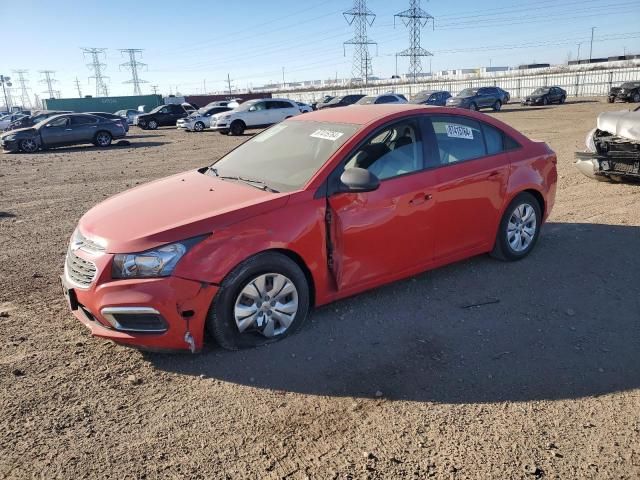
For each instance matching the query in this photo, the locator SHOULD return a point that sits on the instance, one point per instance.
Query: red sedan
(317, 208)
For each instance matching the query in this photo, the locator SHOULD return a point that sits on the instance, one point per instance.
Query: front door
(380, 234)
(471, 184)
(57, 132)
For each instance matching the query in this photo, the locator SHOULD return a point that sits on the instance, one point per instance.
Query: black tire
(152, 124)
(502, 250)
(497, 106)
(198, 127)
(611, 99)
(28, 145)
(102, 139)
(220, 320)
(237, 127)
(562, 100)
(636, 97)
(473, 107)
(545, 100)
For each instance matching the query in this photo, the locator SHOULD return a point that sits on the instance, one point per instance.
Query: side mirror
(252, 109)
(358, 180)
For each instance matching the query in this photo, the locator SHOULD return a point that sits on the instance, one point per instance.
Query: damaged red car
(317, 208)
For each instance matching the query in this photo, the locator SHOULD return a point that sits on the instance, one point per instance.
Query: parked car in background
(380, 99)
(30, 120)
(545, 96)
(613, 148)
(477, 98)
(129, 115)
(233, 103)
(163, 116)
(431, 97)
(60, 130)
(8, 119)
(627, 92)
(198, 121)
(341, 101)
(254, 114)
(319, 208)
(304, 108)
(113, 117)
(317, 105)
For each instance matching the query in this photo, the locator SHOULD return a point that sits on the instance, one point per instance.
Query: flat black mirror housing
(358, 180)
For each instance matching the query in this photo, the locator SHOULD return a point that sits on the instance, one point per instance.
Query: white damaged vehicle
(613, 148)
(201, 119)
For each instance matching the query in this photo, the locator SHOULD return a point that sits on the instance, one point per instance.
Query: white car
(304, 108)
(7, 119)
(384, 98)
(201, 119)
(254, 114)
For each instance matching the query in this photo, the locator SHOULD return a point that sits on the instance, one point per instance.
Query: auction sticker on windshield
(327, 135)
(459, 131)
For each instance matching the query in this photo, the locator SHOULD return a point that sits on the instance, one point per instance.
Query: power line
(24, 90)
(97, 67)
(133, 64)
(49, 80)
(360, 17)
(415, 18)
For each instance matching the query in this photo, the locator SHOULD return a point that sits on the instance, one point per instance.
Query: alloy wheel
(103, 139)
(28, 145)
(198, 127)
(521, 229)
(153, 124)
(267, 304)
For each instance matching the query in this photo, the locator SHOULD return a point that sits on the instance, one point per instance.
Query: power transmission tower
(155, 89)
(133, 64)
(24, 90)
(97, 67)
(361, 18)
(415, 18)
(49, 81)
(78, 87)
(229, 82)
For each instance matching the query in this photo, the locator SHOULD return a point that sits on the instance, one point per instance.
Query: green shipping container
(103, 104)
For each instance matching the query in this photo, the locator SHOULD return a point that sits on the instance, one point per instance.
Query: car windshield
(468, 92)
(285, 156)
(630, 85)
(540, 91)
(421, 96)
(157, 109)
(366, 100)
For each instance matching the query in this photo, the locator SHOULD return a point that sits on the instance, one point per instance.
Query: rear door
(471, 183)
(84, 128)
(379, 234)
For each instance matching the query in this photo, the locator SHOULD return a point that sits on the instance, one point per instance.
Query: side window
(458, 139)
(494, 139)
(83, 120)
(164, 110)
(58, 122)
(261, 106)
(395, 150)
(385, 99)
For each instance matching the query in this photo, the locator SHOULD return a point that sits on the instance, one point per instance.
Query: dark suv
(162, 116)
(477, 98)
(341, 101)
(627, 92)
(431, 97)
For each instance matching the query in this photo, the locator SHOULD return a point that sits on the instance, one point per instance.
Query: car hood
(18, 131)
(622, 124)
(172, 209)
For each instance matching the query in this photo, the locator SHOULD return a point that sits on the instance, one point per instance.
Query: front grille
(80, 271)
(86, 244)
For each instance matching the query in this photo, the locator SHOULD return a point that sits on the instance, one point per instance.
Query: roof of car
(357, 114)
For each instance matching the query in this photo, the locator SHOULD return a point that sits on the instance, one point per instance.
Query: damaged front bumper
(616, 166)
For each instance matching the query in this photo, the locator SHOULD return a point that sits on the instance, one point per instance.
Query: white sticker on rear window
(459, 131)
(327, 135)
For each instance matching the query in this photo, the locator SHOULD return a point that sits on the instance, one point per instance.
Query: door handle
(420, 199)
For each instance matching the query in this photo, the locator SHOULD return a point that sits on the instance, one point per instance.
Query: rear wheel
(102, 139)
(519, 228)
(636, 97)
(497, 106)
(29, 145)
(237, 127)
(545, 100)
(611, 99)
(562, 99)
(473, 107)
(153, 124)
(263, 300)
(198, 127)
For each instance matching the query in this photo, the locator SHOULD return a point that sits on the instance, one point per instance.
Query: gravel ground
(401, 382)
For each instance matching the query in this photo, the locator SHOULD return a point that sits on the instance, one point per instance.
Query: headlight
(9, 138)
(224, 117)
(159, 262)
(591, 144)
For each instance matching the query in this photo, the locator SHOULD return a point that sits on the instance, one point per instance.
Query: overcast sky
(192, 46)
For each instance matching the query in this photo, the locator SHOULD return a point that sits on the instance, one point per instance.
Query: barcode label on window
(327, 135)
(459, 131)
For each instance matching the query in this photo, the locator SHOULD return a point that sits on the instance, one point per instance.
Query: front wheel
(545, 101)
(103, 139)
(473, 107)
(263, 300)
(153, 124)
(519, 228)
(563, 99)
(198, 127)
(29, 145)
(236, 128)
(611, 99)
(636, 97)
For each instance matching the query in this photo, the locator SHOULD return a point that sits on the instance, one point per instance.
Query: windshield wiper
(249, 181)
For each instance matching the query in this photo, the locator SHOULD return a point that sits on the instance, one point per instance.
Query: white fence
(590, 83)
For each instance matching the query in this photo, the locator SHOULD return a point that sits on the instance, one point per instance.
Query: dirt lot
(543, 384)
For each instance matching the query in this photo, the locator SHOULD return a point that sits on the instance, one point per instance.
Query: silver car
(201, 119)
